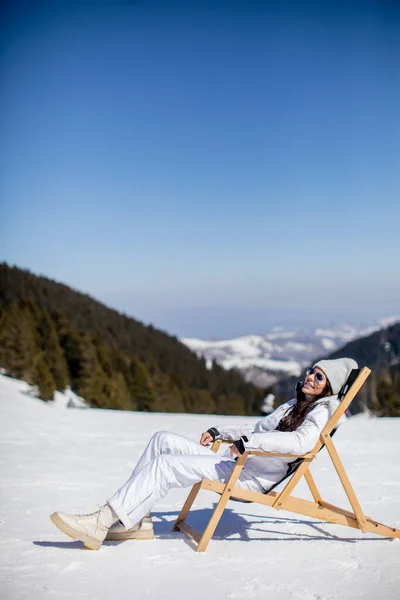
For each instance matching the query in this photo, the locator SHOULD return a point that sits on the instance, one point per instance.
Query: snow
(249, 345)
(387, 321)
(281, 335)
(246, 352)
(289, 367)
(55, 458)
(298, 347)
(68, 399)
(328, 344)
(345, 333)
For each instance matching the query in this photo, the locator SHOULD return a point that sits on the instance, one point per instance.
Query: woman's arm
(234, 432)
(226, 433)
(296, 442)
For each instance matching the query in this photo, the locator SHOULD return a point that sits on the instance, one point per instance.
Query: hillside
(54, 336)
(380, 351)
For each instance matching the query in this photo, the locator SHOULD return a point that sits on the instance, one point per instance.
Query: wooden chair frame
(318, 509)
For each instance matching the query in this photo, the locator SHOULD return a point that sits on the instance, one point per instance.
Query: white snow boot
(91, 529)
(141, 531)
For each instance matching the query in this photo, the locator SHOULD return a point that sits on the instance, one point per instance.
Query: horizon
(260, 320)
(207, 169)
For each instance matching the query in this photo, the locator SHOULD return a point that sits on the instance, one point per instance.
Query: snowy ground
(54, 458)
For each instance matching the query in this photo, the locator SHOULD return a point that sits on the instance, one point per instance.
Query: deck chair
(283, 500)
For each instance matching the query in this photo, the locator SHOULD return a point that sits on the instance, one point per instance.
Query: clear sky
(202, 165)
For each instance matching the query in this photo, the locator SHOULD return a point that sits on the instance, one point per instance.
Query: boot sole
(88, 541)
(133, 535)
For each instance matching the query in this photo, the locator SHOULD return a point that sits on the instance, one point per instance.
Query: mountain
(54, 337)
(380, 351)
(264, 359)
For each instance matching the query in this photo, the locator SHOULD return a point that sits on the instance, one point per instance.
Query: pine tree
(386, 395)
(104, 356)
(230, 405)
(72, 346)
(396, 389)
(53, 353)
(169, 397)
(118, 394)
(42, 378)
(203, 402)
(91, 382)
(18, 341)
(140, 386)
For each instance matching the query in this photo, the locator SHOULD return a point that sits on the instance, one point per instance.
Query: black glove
(240, 445)
(213, 431)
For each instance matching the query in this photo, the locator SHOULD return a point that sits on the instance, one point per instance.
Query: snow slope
(70, 459)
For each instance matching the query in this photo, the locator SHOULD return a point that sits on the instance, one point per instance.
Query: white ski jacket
(262, 436)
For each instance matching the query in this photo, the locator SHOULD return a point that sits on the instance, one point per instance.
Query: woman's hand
(238, 448)
(206, 439)
(233, 451)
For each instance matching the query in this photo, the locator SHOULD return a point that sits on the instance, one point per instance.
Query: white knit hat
(337, 371)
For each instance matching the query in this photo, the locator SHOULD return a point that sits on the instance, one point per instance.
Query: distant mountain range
(380, 351)
(263, 359)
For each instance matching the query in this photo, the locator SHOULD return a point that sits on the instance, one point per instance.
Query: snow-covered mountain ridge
(264, 358)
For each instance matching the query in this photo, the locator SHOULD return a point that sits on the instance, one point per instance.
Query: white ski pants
(171, 461)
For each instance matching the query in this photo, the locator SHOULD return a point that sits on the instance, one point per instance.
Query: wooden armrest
(216, 444)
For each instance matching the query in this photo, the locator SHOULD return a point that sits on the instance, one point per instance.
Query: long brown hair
(296, 414)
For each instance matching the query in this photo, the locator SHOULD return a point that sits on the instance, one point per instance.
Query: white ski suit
(173, 461)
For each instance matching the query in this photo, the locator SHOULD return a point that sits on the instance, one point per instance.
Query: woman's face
(315, 382)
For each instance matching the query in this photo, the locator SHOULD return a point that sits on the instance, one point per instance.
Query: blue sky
(209, 166)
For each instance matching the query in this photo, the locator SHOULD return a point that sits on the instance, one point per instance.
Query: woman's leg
(170, 461)
(165, 442)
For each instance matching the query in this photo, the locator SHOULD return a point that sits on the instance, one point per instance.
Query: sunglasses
(318, 376)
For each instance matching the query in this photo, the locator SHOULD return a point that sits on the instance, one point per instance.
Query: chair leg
(219, 509)
(337, 463)
(213, 522)
(187, 506)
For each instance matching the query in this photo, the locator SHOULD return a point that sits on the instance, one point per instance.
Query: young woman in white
(174, 461)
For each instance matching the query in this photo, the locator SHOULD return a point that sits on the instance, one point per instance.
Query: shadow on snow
(234, 527)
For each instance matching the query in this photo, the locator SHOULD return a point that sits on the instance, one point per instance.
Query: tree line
(53, 337)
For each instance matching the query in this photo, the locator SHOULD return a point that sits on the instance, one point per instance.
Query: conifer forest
(53, 337)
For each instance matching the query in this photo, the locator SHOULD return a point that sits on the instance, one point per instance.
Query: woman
(173, 461)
